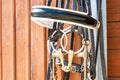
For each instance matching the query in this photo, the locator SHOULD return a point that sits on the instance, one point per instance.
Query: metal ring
(63, 48)
(52, 45)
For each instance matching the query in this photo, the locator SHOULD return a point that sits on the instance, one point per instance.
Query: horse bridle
(80, 22)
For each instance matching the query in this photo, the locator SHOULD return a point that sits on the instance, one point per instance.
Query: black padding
(63, 15)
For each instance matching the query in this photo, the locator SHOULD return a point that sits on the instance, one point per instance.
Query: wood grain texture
(29, 43)
(113, 35)
(0, 39)
(113, 63)
(38, 48)
(22, 40)
(114, 78)
(113, 43)
(113, 30)
(8, 46)
(113, 12)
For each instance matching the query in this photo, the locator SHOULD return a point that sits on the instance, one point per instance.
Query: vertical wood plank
(8, 68)
(114, 62)
(22, 40)
(38, 48)
(0, 39)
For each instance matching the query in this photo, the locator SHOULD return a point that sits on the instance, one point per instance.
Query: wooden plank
(8, 47)
(38, 54)
(114, 78)
(113, 12)
(113, 16)
(113, 29)
(113, 43)
(0, 39)
(113, 63)
(38, 48)
(22, 40)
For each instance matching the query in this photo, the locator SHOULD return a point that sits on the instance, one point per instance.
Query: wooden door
(23, 52)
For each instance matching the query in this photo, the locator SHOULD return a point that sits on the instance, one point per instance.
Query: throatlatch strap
(102, 49)
(100, 41)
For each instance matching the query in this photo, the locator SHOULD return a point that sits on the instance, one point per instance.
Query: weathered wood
(23, 40)
(38, 48)
(8, 46)
(113, 63)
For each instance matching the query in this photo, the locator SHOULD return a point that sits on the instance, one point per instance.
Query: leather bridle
(80, 21)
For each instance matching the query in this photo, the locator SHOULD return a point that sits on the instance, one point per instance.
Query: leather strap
(101, 42)
(67, 16)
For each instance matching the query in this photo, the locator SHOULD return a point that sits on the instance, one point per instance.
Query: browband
(41, 14)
